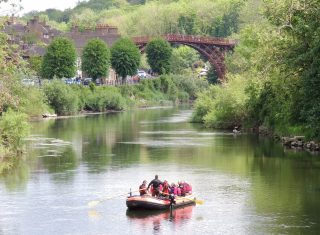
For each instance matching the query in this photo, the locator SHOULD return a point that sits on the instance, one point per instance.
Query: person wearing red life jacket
(174, 189)
(181, 188)
(178, 191)
(187, 188)
(166, 189)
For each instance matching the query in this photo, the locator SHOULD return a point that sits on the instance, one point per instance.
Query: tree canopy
(159, 53)
(125, 57)
(96, 59)
(60, 59)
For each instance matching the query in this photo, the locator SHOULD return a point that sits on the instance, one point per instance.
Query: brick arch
(213, 49)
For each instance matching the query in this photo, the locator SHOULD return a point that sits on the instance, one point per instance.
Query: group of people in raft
(163, 189)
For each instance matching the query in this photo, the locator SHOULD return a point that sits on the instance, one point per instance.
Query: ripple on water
(183, 116)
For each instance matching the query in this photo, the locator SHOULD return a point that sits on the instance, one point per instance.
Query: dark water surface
(248, 185)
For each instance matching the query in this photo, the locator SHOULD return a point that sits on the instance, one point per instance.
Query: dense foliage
(159, 54)
(61, 98)
(125, 57)
(278, 62)
(183, 59)
(96, 59)
(13, 128)
(60, 59)
(140, 17)
(15, 100)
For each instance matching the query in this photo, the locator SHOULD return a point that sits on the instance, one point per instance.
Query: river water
(248, 185)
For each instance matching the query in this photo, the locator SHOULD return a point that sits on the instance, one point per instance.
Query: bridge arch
(211, 48)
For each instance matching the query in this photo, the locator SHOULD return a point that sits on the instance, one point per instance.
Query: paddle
(199, 202)
(96, 202)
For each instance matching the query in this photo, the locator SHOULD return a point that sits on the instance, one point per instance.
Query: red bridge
(210, 47)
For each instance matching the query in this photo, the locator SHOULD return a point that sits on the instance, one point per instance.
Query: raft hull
(147, 202)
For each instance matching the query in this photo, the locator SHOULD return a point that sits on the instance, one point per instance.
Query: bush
(222, 106)
(33, 102)
(105, 98)
(13, 128)
(190, 85)
(183, 96)
(61, 97)
(202, 106)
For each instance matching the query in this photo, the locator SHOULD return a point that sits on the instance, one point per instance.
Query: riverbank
(69, 100)
(66, 101)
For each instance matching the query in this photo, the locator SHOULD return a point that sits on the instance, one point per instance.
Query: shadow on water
(156, 219)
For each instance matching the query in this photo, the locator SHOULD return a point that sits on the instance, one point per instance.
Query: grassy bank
(66, 100)
(62, 99)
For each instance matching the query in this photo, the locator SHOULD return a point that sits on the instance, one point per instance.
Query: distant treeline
(139, 17)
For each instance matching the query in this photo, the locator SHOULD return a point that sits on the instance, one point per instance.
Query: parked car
(142, 74)
(27, 82)
(98, 82)
(69, 81)
(86, 81)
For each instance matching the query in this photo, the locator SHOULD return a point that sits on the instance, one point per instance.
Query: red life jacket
(174, 190)
(166, 190)
(178, 191)
(187, 188)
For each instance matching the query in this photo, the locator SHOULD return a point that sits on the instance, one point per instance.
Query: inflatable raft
(147, 202)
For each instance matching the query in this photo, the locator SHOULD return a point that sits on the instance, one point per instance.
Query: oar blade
(93, 203)
(200, 202)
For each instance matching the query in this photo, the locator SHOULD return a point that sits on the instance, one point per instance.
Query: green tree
(212, 76)
(229, 22)
(183, 58)
(125, 57)
(35, 64)
(60, 59)
(186, 23)
(96, 59)
(159, 53)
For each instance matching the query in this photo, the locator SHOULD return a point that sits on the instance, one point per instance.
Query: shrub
(222, 106)
(105, 98)
(13, 128)
(190, 85)
(33, 102)
(61, 97)
(202, 106)
(183, 96)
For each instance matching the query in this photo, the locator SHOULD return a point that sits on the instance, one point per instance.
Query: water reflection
(250, 185)
(155, 219)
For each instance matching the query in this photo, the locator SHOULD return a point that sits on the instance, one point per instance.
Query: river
(249, 185)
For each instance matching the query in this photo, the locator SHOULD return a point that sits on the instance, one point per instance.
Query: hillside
(137, 17)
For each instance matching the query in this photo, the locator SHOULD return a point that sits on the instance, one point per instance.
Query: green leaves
(125, 57)
(60, 59)
(159, 53)
(96, 59)
(13, 128)
(61, 97)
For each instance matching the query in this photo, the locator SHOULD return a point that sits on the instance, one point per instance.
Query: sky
(39, 5)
